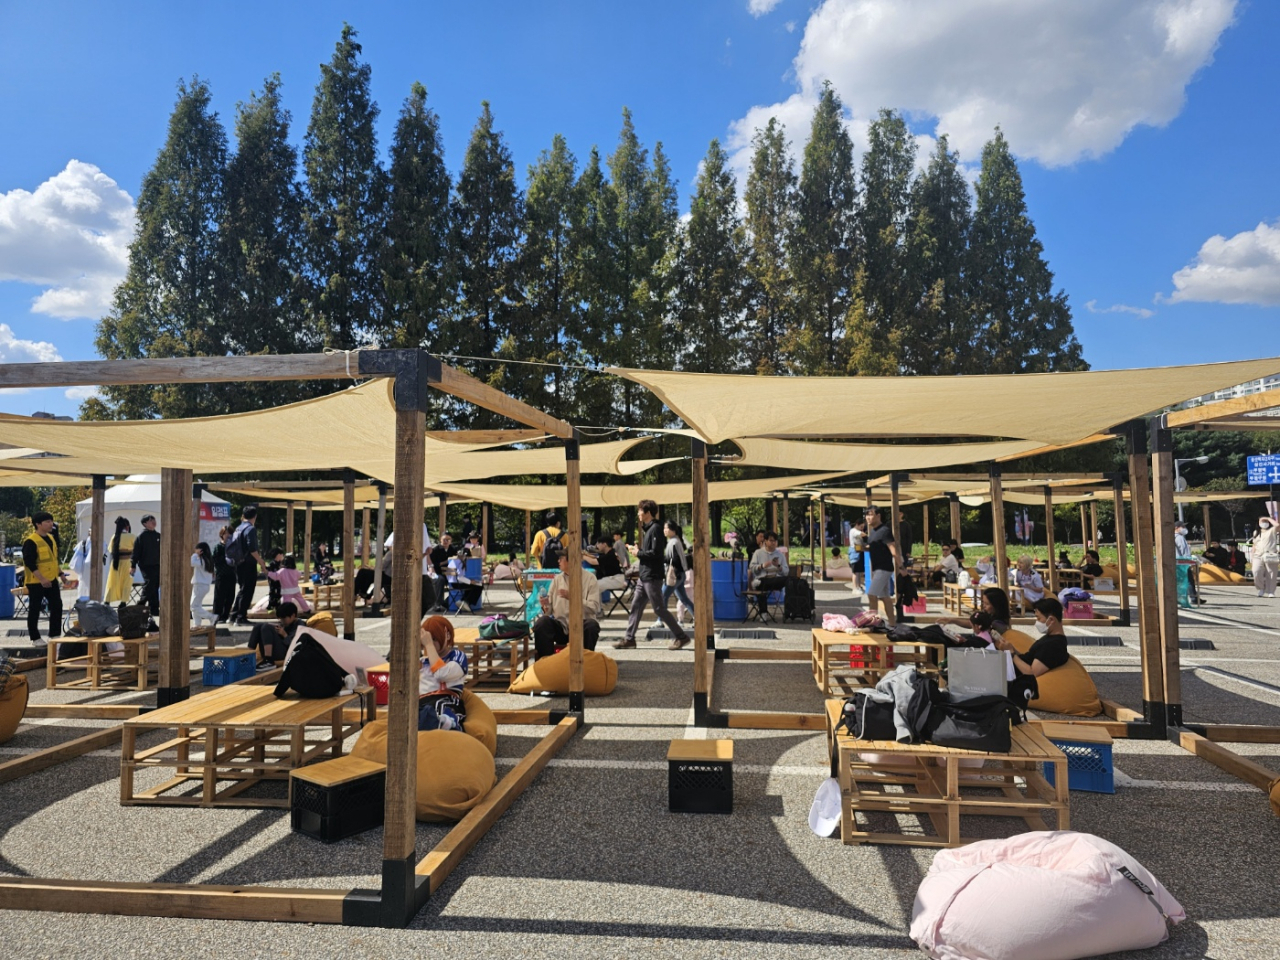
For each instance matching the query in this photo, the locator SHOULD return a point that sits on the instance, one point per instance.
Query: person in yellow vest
(44, 576)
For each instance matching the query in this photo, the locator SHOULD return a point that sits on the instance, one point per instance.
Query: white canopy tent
(139, 496)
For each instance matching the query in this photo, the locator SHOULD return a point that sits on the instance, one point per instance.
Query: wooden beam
(1122, 545)
(894, 607)
(82, 711)
(448, 853)
(1208, 529)
(522, 717)
(822, 527)
(1217, 732)
(466, 387)
(1093, 523)
(1117, 712)
(998, 533)
(573, 545)
(442, 516)
(1239, 767)
(380, 560)
(484, 532)
(364, 536)
(704, 627)
(1144, 565)
(494, 437)
(174, 681)
(1048, 534)
(306, 543)
(528, 518)
(52, 756)
(188, 900)
(1166, 566)
(1208, 412)
(97, 537)
(776, 721)
(399, 833)
(88, 373)
(288, 531)
(349, 558)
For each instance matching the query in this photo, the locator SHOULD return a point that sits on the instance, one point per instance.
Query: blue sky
(1145, 129)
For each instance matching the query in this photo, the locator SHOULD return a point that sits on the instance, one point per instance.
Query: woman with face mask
(1266, 557)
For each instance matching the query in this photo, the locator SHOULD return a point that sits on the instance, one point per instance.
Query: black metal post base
(402, 895)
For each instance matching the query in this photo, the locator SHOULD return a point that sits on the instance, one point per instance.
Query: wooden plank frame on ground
(405, 884)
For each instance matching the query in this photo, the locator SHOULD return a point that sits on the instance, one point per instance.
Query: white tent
(140, 496)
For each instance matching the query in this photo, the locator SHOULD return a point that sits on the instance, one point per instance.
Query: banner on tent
(215, 512)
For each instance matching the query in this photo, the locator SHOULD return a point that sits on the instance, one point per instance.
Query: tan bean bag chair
(599, 674)
(323, 622)
(1216, 575)
(13, 704)
(480, 722)
(454, 771)
(1069, 689)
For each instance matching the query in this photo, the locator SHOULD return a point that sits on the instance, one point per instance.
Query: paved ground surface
(589, 863)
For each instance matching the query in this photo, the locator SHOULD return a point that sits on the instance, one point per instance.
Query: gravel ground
(589, 862)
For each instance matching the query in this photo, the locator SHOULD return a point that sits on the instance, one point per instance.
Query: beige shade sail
(484, 465)
(1052, 408)
(537, 497)
(872, 457)
(364, 494)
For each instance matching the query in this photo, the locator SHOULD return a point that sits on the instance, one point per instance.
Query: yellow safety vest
(47, 559)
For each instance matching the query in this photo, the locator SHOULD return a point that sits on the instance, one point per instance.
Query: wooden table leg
(210, 779)
(184, 748)
(953, 801)
(127, 740)
(336, 725)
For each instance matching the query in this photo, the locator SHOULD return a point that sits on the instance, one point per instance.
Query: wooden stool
(337, 798)
(700, 776)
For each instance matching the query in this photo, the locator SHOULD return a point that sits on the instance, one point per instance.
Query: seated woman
(1047, 653)
(286, 575)
(1032, 583)
(510, 569)
(994, 605)
(471, 591)
(838, 567)
(986, 572)
(441, 677)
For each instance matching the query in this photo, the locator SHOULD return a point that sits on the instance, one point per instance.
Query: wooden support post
(528, 523)
(1048, 533)
(484, 531)
(442, 515)
(290, 545)
(1084, 529)
(349, 556)
(1153, 705)
(997, 522)
(786, 522)
(306, 543)
(895, 525)
(97, 536)
(1122, 547)
(174, 682)
(1167, 571)
(773, 508)
(1093, 523)
(1208, 530)
(954, 503)
(822, 536)
(813, 540)
(924, 509)
(573, 546)
(703, 609)
(364, 536)
(399, 832)
(379, 560)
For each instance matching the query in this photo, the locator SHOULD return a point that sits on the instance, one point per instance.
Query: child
(287, 577)
(441, 677)
(201, 583)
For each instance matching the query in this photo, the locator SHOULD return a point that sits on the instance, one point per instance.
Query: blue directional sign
(1263, 470)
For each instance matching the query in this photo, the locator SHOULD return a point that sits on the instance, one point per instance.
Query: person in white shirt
(551, 630)
(768, 570)
(1032, 583)
(948, 570)
(857, 547)
(987, 572)
(432, 594)
(201, 584)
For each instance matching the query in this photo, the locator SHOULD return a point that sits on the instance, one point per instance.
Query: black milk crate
(338, 802)
(700, 776)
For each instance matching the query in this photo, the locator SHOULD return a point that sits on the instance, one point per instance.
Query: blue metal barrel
(728, 589)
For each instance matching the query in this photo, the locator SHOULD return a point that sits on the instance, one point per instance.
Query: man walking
(884, 564)
(243, 551)
(649, 587)
(43, 576)
(146, 557)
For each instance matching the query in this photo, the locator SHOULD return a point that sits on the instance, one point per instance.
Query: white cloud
(1242, 269)
(82, 393)
(759, 8)
(14, 350)
(1065, 81)
(1140, 312)
(70, 235)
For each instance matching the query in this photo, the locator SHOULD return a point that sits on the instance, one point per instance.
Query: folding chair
(622, 598)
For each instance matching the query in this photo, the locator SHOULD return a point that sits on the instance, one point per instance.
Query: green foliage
(346, 201)
(770, 203)
(61, 502)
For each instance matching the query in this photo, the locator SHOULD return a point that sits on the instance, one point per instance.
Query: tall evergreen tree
(881, 301)
(173, 294)
(416, 269)
(770, 203)
(346, 200)
(1025, 326)
(594, 283)
(940, 333)
(824, 243)
(548, 324)
(486, 220)
(262, 246)
(710, 295)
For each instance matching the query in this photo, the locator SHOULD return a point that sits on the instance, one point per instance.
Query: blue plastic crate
(1089, 766)
(220, 669)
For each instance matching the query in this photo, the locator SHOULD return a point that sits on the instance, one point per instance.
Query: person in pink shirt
(287, 577)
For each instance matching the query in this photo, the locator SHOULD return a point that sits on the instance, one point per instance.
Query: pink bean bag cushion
(1048, 895)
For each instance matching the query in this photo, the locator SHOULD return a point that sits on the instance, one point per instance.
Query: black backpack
(549, 560)
(867, 719)
(236, 551)
(799, 600)
(311, 671)
(133, 620)
(979, 723)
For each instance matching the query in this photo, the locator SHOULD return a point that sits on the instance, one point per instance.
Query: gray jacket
(897, 686)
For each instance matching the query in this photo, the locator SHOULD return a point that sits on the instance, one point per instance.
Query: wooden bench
(831, 658)
(242, 734)
(895, 781)
(324, 596)
(335, 799)
(106, 670)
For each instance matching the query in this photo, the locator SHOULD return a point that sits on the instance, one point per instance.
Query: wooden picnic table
(833, 664)
(240, 733)
(892, 781)
(104, 669)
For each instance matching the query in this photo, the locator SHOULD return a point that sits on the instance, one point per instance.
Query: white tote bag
(977, 673)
